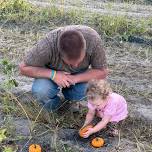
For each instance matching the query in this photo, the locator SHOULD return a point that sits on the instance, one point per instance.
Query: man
(67, 58)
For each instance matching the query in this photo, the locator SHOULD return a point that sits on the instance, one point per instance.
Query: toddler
(104, 103)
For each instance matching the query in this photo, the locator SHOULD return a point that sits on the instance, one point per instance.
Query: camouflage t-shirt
(46, 52)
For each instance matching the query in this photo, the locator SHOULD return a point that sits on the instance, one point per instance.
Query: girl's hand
(88, 133)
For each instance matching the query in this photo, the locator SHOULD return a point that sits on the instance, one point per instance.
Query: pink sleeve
(91, 107)
(111, 108)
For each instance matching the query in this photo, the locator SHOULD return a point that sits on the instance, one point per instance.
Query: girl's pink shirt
(116, 107)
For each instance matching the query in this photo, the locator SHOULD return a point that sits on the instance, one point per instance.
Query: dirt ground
(130, 66)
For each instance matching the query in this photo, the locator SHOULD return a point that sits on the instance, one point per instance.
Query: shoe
(77, 106)
(112, 129)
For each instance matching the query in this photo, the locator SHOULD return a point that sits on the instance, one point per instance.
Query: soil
(130, 75)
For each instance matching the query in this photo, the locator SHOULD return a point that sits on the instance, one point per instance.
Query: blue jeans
(46, 92)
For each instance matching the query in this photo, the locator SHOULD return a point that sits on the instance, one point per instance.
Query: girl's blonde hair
(98, 88)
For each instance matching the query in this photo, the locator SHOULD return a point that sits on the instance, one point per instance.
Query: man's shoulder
(90, 35)
(86, 30)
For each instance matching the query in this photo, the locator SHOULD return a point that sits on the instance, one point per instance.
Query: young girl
(104, 103)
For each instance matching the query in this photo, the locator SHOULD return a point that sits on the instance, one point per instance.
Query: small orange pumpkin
(35, 148)
(85, 129)
(97, 142)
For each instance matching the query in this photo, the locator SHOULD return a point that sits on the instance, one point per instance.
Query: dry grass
(139, 132)
(130, 66)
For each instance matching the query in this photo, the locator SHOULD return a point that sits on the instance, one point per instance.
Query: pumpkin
(97, 142)
(35, 148)
(84, 129)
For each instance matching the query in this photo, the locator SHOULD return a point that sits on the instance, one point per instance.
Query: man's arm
(61, 78)
(34, 72)
(89, 75)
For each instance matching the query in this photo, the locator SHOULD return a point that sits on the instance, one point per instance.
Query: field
(126, 29)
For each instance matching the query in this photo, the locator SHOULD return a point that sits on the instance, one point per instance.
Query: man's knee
(77, 92)
(80, 88)
(44, 89)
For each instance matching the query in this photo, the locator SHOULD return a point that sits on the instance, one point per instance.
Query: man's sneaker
(77, 106)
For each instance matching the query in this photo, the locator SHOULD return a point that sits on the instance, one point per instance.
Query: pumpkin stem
(35, 146)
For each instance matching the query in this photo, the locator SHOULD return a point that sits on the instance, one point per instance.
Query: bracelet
(53, 74)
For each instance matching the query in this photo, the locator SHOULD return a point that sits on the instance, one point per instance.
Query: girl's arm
(98, 127)
(89, 117)
(101, 124)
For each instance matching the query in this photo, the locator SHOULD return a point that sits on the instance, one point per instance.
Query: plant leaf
(10, 148)
(2, 134)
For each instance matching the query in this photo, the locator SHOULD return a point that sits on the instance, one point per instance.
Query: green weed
(119, 26)
(8, 70)
(20, 11)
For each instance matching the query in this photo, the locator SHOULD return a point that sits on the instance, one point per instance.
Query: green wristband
(52, 74)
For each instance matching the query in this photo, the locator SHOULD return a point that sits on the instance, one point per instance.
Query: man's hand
(73, 78)
(63, 80)
(89, 75)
